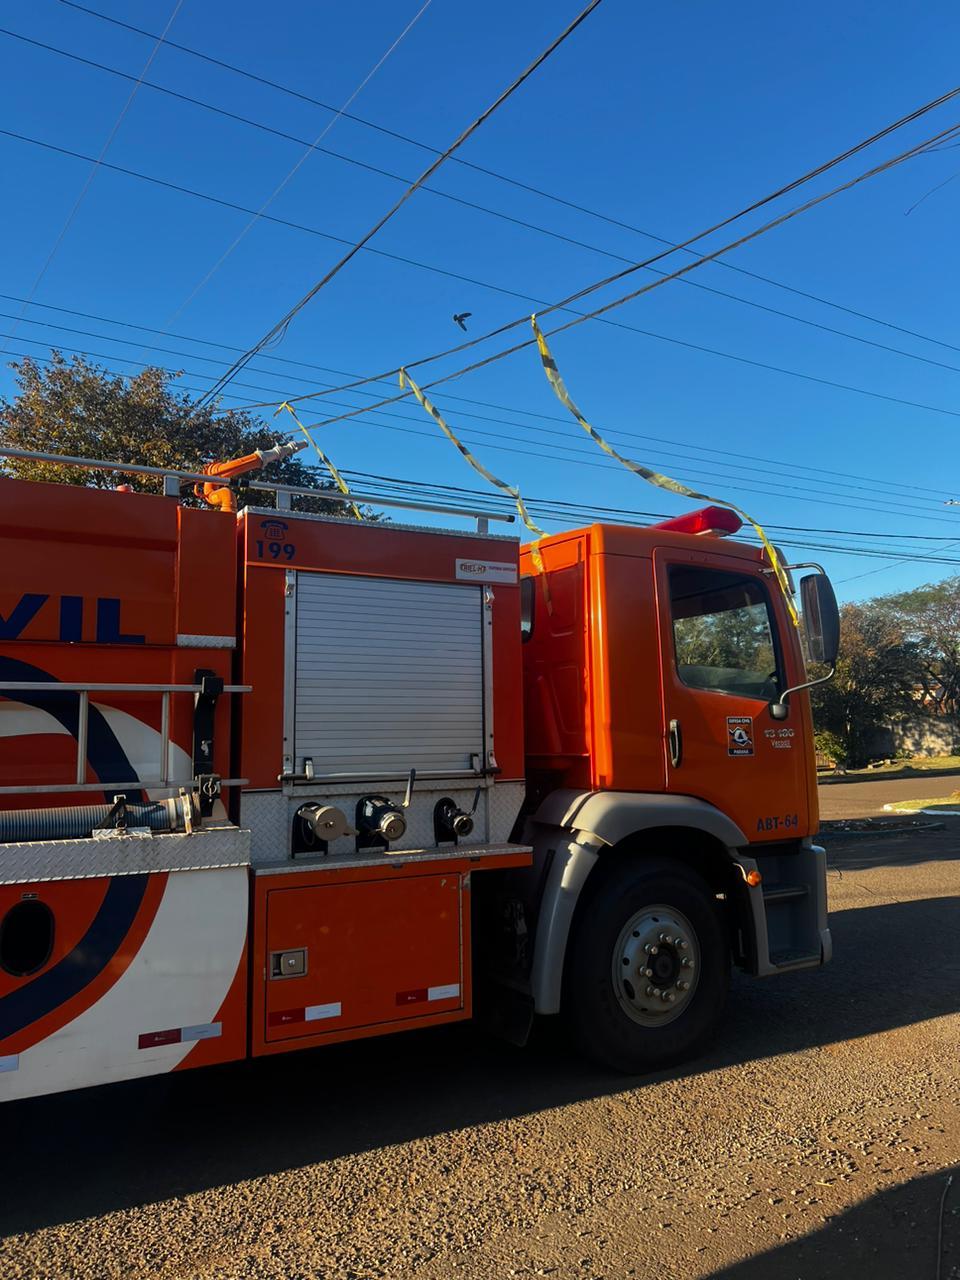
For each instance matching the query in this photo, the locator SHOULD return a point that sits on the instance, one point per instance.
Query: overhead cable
(431, 169)
(99, 160)
(566, 302)
(311, 148)
(831, 472)
(581, 317)
(460, 161)
(742, 462)
(541, 303)
(524, 223)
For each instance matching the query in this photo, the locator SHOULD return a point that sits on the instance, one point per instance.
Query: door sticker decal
(739, 736)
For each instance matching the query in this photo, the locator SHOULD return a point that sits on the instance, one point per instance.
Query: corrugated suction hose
(78, 822)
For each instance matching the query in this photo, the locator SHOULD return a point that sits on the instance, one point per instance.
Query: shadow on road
(889, 1236)
(88, 1153)
(880, 847)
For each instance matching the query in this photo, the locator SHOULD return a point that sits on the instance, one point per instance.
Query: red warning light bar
(719, 521)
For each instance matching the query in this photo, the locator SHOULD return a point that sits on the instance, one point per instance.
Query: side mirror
(821, 626)
(821, 618)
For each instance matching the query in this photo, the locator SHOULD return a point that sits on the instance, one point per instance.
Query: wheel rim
(656, 965)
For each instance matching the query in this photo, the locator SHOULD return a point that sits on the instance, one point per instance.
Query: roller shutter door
(389, 675)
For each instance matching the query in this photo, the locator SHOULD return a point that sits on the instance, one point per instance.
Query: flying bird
(459, 319)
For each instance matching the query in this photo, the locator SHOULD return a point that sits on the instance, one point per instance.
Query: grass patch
(907, 768)
(941, 804)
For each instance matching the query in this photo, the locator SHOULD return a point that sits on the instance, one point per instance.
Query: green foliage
(930, 616)
(737, 639)
(876, 678)
(82, 410)
(830, 746)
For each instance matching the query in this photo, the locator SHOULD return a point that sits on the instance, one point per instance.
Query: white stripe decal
(205, 1031)
(314, 1012)
(443, 993)
(10, 1063)
(206, 642)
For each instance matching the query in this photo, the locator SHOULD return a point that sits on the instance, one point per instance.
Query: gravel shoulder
(813, 1141)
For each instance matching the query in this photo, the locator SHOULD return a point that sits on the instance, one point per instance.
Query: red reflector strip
(412, 997)
(180, 1035)
(312, 1013)
(151, 1039)
(286, 1017)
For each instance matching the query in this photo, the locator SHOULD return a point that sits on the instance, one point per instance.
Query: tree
(82, 410)
(877, 674)
(930, 616)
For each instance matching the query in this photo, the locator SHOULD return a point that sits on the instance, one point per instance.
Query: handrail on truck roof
(173, 479)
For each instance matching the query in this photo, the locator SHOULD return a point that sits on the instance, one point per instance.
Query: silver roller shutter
(389, 675)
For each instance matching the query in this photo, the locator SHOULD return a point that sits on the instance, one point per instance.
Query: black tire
(594, 1009)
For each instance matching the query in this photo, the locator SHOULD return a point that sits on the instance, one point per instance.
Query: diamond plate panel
(36, 860)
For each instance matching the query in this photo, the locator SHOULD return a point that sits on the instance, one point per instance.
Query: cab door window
(723, 633)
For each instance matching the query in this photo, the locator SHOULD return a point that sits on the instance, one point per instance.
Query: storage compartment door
(363, 954)
(389, 676)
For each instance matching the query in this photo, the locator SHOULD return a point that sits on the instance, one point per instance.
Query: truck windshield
(722, 632)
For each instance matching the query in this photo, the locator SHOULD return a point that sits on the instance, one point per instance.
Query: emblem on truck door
(739, 736)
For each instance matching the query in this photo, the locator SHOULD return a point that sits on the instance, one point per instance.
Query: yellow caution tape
(337, 477)
(655, 477)
(510, 490)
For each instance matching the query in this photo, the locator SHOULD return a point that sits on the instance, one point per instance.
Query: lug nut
(649, 991)
(682, 944)
(670, 996)
(657, 993)
(686, 963)
(683, 986)
(669, 940)
(648, 973)
(650, 949)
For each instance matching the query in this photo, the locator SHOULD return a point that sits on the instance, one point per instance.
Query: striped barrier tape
(655, 477)
(337, 477)
(510, 490)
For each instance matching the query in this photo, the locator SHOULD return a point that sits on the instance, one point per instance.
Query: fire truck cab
(305, 779)
(671, 780)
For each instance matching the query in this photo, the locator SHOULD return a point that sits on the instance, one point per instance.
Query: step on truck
(273, 780)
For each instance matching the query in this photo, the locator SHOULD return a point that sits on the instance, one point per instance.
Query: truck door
(727, 651)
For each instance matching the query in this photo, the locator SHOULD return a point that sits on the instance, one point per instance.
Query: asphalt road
(866, 797)
(812, 1142)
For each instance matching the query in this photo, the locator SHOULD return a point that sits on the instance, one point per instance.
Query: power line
(311, 148)
(893, 564)
(565, 303)
(509, 218)
(557, 512)
(560, 508)
(468, 164)
(569, 505)
(560, 511)
(938, 494)
(99, 160)
(617, 434)
(281, 326)
(543, 304)
(620, 301)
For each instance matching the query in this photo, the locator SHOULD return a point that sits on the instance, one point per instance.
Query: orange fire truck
(272, 780)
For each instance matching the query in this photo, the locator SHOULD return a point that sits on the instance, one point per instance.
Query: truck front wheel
(648, 965)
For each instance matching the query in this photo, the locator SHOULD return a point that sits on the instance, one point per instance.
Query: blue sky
(666, 118)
